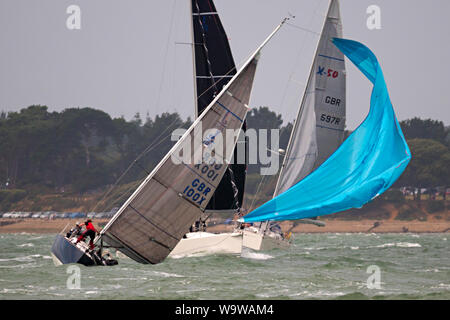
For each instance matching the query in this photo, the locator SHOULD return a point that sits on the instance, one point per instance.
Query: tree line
(83, 149)
(78, 149)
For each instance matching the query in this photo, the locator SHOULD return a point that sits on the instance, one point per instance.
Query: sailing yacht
(213, 67)
(156, 217)
(318, 129)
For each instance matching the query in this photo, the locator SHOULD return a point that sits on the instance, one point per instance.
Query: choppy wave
(317, 266)
(23, 258)
(400, 245)
(167, 275)
(26, 245)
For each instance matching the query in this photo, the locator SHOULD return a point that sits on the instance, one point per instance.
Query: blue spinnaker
(368, 162)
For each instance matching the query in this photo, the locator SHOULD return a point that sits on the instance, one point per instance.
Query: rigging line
(205, 49)
(304, 29)
(246, 59)
(256, 193)
(124, 173)
(165, 55)
(234, 68)
(235, 189)
(300, 51)
(214, 16)
(216, 82)
(152, 146)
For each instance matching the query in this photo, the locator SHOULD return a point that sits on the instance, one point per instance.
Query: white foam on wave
(255, 255)
(14, 290)
(317, 248)
(445, 286)
(91, 292)
(400, 245)
(26, 245)
(189, 255)
(22, 259)
(36, 238)
(318, 294)
(195, 290)
(408, 245)
(167, 275)
(430, 270)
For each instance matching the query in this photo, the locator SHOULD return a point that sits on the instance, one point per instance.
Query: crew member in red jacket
(90, 232)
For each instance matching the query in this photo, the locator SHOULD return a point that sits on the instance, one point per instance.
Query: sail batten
(213, 67)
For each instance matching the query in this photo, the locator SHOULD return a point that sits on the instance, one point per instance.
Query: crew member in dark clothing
(90, 232)
(75, 231)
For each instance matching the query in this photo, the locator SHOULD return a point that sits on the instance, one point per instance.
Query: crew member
(75, 231)
(90, 232)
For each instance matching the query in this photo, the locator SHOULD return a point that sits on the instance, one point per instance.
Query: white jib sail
(319, 128)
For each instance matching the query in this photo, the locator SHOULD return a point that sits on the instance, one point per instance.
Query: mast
(193, 63)
(213, 68)
(155, 217)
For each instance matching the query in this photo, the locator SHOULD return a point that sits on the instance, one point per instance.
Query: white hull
(209, 243)
(254, 240)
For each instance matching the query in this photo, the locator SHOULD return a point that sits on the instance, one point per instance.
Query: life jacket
(89, 226)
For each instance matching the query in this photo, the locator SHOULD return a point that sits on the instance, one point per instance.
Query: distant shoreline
(332, 226)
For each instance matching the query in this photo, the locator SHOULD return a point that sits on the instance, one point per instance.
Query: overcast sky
(125, 59)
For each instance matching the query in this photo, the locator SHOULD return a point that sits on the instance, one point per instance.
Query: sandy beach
(361, 226)
(332, 226)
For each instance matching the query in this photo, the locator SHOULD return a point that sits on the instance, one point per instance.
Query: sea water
(316, 266)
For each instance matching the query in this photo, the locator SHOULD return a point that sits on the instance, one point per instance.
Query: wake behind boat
(154, 219)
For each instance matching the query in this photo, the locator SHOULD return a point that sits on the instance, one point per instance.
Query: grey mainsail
(157, 215)
(319, 128)
(155, 218)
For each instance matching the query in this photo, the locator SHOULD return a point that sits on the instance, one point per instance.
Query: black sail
(214, 67)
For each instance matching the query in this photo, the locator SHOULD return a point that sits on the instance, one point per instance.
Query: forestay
(319, 128)
(155, 218)
(368, 162)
